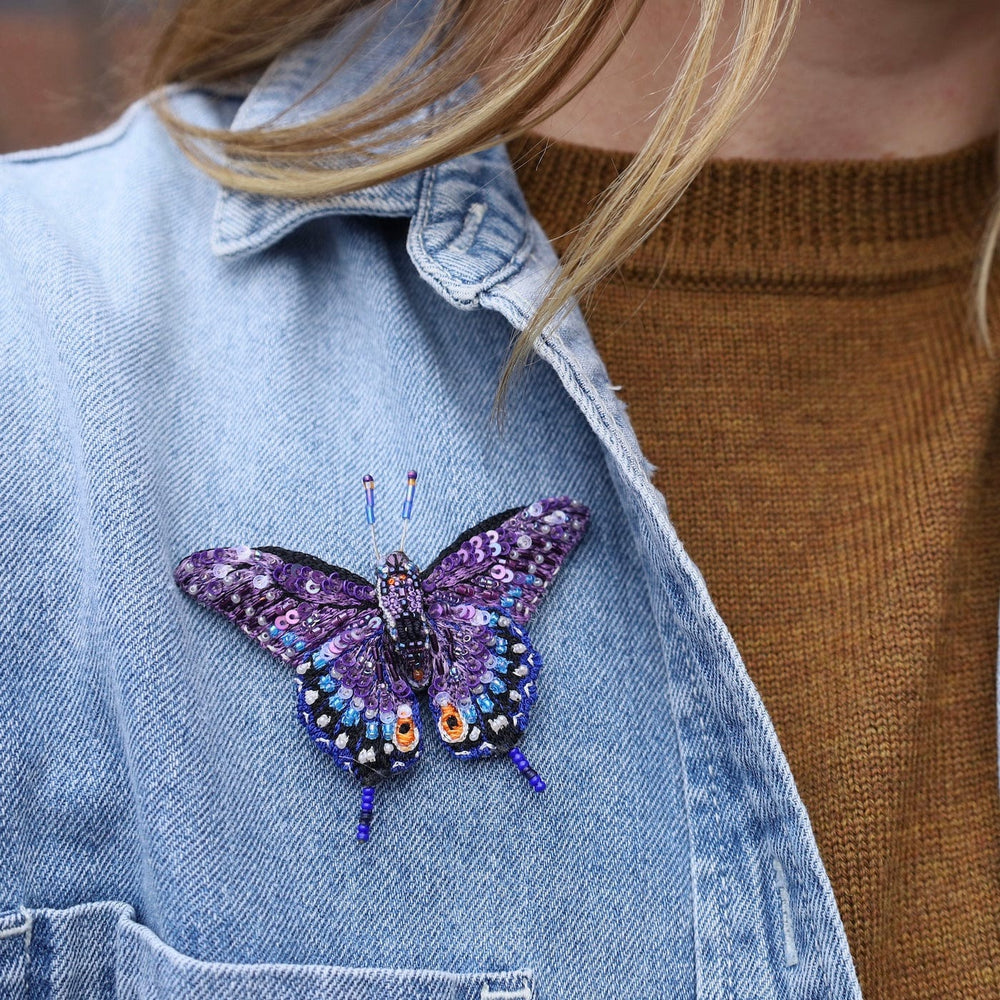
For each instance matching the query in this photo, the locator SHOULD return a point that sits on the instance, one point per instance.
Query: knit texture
(794, 347)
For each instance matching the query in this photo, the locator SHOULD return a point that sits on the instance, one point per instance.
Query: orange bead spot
(452, 727)
(405, 737)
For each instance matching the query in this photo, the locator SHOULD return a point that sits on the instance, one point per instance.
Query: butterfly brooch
(363, 652)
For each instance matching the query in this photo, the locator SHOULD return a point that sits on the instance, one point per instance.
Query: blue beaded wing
(325, 622)
(480, 595)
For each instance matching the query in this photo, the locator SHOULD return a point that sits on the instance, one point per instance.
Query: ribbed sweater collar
(856, 224)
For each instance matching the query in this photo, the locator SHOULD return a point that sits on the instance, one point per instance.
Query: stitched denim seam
(130, 936)
(807, 911)
(682, 754)
(552, 339)
(793, 870)
(683, 631)
(263, 236)
(725, 900)
(103, 139)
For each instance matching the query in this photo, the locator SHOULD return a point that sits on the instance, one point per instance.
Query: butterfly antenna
(411, 486)
(365, 816)
(521, 763)
(370, 513)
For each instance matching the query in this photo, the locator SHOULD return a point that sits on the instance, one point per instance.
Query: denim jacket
(186, 367)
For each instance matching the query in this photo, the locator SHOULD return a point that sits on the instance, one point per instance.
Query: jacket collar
(468, 217)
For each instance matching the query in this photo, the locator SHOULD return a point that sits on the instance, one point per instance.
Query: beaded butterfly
(362, 652)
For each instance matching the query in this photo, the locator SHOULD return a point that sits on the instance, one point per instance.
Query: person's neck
(861, 79)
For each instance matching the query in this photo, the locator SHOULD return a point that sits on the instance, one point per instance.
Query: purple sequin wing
(288, 602)
(324, 621)
(509, 560)
(483, 672)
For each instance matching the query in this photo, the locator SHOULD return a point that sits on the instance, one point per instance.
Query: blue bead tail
(522, 764)
(367, 808)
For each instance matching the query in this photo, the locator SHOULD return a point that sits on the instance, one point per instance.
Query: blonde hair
(529, 51)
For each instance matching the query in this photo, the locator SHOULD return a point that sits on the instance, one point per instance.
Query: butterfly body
(364, 652)
(401, 601)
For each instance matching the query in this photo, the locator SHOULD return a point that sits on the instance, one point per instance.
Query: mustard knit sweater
(794, 347)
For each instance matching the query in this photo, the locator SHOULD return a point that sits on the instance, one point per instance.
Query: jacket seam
(107, 137)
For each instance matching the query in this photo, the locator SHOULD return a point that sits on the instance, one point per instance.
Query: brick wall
(67, 68)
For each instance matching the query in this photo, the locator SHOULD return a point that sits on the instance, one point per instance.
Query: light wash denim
(185, 367)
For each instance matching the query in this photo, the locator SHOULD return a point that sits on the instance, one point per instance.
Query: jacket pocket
(97, 951)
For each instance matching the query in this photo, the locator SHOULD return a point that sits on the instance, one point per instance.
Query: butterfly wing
(324, 621)
(482, 680)
(288, 602)
(508, 560)
(481, 593)
(357, 706)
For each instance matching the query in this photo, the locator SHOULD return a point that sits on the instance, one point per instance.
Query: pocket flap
(99, 951)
